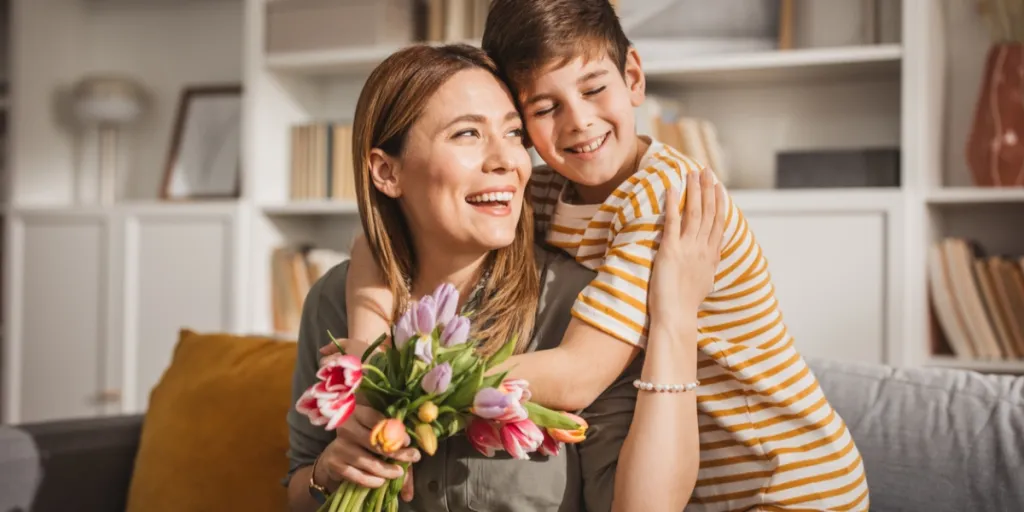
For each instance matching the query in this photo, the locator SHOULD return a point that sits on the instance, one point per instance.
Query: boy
(769, 439)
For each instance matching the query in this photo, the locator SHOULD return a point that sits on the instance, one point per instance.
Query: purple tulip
(425, 319)
(456, 332)
(403, 329)
(446, 297)
(424, 349)
(436, 381)
(489, 403)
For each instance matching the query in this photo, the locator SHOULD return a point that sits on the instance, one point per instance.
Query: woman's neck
(434, 267)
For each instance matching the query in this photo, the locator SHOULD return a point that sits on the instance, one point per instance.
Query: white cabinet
(96, 299)
(830, 273)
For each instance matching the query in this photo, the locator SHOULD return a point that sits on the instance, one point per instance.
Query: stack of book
(321, 162)
(694, 137)
(293, 272)
(977, 300)
(456, 20)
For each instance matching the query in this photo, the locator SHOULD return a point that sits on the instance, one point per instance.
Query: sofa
(931, 439)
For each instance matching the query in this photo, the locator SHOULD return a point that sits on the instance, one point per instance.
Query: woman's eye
(594, 91)
(518, 132)
(463, 133)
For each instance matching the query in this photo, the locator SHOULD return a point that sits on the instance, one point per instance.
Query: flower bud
(389, 436)
(427, 412)
(437, 380)
(456, 332)
(570, 436)
(446, 298)
(428, 440)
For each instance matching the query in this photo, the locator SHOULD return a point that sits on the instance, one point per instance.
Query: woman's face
(462, 174)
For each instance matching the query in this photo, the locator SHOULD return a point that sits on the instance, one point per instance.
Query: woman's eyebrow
(479, 119)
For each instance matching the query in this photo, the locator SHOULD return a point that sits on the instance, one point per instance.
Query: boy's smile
(580, 119)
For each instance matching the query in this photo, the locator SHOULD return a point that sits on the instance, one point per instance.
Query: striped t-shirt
(769, 438)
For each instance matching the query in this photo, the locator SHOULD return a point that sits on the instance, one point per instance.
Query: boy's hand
(684, 268)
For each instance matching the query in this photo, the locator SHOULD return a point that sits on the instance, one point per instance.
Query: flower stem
(345, 493)
(359, 496)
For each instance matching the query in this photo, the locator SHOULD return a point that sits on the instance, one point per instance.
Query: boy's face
(580, 118)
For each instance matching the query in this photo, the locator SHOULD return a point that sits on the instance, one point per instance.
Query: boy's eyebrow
(479, 119)
(579, 81)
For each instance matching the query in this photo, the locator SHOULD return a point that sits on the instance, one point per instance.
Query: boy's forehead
(565, 72)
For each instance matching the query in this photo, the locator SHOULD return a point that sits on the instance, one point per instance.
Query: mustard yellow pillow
(214, 436)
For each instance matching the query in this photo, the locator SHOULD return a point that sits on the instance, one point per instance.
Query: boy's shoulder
(661, 167)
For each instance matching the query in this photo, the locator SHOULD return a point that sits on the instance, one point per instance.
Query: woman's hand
(351, 457)
(684, 269)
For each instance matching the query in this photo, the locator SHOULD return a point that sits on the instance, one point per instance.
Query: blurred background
(170, 164)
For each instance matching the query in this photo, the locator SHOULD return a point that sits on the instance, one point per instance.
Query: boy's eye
(544, 111)
(594, 91)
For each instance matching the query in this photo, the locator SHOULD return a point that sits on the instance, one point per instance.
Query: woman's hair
(392, 100)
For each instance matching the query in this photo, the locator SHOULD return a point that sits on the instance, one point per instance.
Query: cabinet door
(829, 274)
(57, 316)
(179, 273)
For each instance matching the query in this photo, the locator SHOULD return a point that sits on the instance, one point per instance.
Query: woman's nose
(501, 157)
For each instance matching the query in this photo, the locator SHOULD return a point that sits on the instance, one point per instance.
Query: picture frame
(204, 160)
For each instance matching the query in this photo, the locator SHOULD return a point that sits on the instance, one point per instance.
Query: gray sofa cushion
(933, 439)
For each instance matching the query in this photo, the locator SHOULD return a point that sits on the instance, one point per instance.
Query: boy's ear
(635, 80)
(384, 173)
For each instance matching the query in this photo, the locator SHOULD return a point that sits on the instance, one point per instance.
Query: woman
(442, 172)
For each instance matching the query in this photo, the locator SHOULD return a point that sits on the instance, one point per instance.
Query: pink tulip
(309, 405)
(339, 375)
(446, 298)
(550, 446)
(520, 438)
(570, 436)
(337, 410)
(483, 435)
(518, 387)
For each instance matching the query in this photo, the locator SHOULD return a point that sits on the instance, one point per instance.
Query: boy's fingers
(673, 202)
(691, 224)
(718, 229)
(708, 196)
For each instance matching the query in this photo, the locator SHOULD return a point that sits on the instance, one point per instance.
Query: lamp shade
(108, 100)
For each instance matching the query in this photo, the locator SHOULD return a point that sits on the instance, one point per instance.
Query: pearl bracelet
(665, 388)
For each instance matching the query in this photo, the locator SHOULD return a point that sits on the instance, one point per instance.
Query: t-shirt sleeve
(542, 192)
(615, 302)
(323, 310)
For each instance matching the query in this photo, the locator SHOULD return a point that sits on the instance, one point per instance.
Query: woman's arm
(661, 451)
(368, 299)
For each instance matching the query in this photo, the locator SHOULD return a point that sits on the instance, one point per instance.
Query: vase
(995, 144)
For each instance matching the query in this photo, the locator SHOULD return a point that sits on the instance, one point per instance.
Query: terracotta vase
(995, 145)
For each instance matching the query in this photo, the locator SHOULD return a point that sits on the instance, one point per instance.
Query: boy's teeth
(589, 147)
(491, 197)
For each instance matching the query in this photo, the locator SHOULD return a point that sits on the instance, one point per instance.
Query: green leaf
(493, 381)
(547, 418)
(375, 398)
(452, 424)
(419, 368)
(395, 371)
(463, 397)
(503, 353)
(373, 346)
(464, 361)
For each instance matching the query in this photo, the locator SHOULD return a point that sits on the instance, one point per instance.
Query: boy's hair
(524, 36)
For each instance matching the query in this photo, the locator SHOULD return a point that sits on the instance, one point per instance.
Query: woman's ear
(635, 80)
(384, 173)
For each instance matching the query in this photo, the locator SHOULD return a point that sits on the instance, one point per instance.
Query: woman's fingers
(707, 194)
(673, 223)
(368, 463)
(407, 488)
(339, 462)
(694, 203)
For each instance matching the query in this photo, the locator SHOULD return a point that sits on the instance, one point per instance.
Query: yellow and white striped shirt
(769, 438)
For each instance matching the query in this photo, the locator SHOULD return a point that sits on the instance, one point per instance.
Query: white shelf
(976, 195)
(346, 61)
(817, 200)
(799, 64)
(993, 366)
(838, 63)
(306, 208)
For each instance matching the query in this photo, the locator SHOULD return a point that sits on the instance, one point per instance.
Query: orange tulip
(570, 436)
(389, 436)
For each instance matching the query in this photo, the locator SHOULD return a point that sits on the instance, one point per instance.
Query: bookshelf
(892, 94)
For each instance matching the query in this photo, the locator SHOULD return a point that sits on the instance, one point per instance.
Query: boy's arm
(368, 300)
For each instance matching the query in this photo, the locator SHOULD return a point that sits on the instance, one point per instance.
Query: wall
(164, 45)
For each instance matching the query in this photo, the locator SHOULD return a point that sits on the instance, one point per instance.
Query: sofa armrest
(87, 463)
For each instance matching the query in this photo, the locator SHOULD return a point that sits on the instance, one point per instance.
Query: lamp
(107, 102)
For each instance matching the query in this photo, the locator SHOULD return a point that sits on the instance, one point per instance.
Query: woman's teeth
(491, 197)
(589, 147)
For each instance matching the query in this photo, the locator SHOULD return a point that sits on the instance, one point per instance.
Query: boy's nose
(581, 117)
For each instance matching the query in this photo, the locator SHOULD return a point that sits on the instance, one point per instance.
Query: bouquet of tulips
(430, 384)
